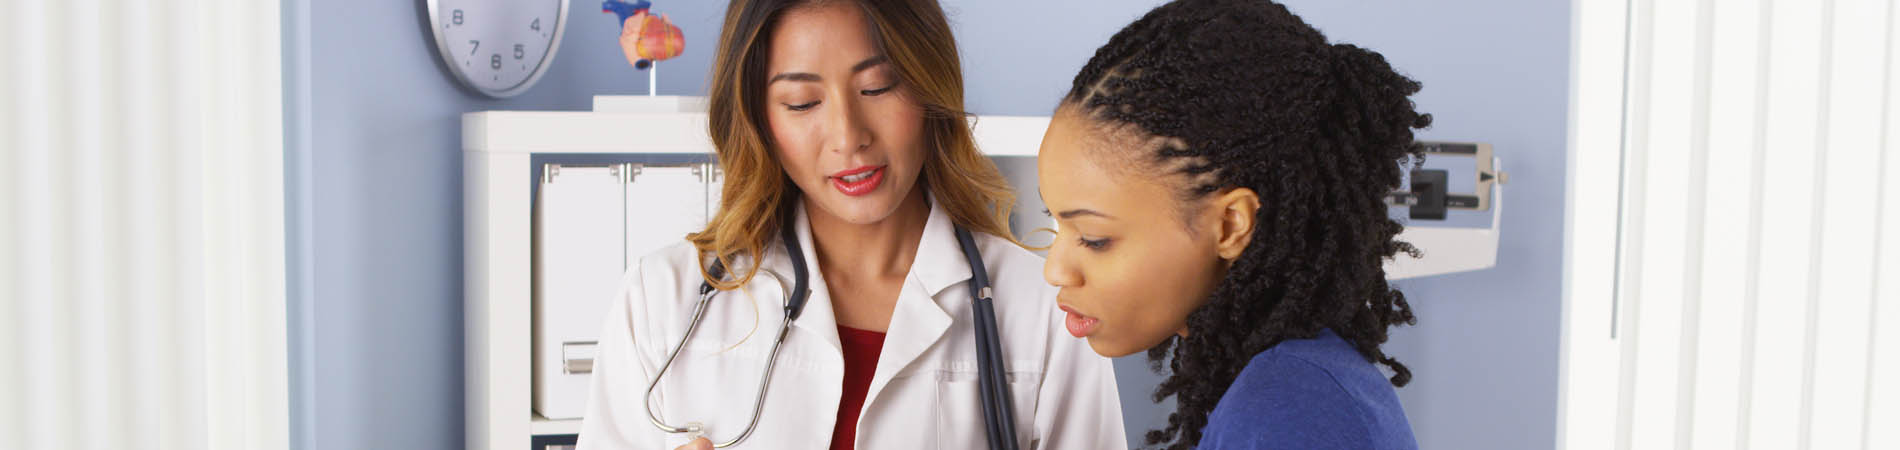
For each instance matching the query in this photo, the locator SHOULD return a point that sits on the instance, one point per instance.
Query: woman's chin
(1109, 349)
(865, 209)
(858, 210)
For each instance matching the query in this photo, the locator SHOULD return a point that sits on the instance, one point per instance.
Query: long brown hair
(916, 38)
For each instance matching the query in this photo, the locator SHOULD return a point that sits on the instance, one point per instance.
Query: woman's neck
(880, 250)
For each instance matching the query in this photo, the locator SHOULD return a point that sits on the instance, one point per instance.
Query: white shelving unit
(498, 147)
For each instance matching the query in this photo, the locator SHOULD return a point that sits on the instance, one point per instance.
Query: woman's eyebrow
(794, 76)
(812, 77)
(1072, 213)
(869, 63)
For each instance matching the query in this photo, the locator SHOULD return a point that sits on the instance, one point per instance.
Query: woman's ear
(1236, 208)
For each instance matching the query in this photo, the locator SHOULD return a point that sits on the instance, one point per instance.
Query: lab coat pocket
(960, 422)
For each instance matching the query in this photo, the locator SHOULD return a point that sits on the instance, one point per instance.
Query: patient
(1217, 171)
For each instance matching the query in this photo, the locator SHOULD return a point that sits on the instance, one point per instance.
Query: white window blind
(141, 225)
(1733, 237)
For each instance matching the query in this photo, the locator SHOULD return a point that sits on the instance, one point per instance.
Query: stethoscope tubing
(758, 403)
(794, 304)
(998, 413)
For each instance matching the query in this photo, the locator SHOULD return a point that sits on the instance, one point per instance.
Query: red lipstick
(858, 181)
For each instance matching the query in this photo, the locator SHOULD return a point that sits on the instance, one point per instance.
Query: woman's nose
(847, 128)
(1058, 270)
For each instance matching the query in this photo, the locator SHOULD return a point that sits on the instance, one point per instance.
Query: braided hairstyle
(1247, 95)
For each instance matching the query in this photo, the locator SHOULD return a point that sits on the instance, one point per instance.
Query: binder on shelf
(592, 223)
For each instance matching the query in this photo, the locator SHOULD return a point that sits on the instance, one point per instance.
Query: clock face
(497, 47)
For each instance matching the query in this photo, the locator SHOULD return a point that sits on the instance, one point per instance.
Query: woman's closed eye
(801, 106)
(1093, 244)
(807, 106)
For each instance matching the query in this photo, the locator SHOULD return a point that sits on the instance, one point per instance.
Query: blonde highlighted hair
(915, 37)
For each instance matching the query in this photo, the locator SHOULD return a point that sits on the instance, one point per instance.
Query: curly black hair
(1245, 94)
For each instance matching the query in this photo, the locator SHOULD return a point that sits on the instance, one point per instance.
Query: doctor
(843, 120)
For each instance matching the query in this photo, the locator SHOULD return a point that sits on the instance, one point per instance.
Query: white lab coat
(924, 392)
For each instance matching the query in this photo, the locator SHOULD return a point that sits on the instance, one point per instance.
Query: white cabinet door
(663, 205)
(591, 224)
(579, 255)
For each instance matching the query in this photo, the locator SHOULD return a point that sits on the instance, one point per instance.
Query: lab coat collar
(917, 322)
(940, 262)
(819, 318)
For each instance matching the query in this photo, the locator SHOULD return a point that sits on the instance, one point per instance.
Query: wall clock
(497, 47)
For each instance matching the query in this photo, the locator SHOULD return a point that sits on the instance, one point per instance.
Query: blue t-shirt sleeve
(1292, 404)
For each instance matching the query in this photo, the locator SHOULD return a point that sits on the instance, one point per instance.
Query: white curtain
(141, 225)
(1733, 247)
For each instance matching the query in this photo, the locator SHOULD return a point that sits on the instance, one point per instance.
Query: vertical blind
(141, 225)
(1733, 253)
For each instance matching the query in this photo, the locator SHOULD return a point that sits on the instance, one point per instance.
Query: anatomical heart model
(644, 37)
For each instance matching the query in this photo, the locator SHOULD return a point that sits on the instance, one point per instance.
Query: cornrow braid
(1250, 96)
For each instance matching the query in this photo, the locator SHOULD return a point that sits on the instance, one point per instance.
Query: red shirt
(861, 348)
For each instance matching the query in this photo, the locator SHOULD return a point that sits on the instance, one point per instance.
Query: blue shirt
(1309, 394)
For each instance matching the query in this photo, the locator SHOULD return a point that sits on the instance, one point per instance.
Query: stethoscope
(999, 417)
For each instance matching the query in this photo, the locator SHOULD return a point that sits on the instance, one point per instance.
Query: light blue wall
(374, 168)
(1485, 349)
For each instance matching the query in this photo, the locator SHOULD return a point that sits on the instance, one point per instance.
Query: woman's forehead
(828, 37)
(1075, 167)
